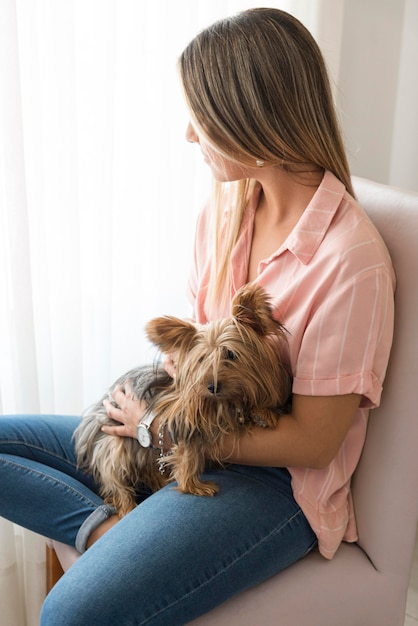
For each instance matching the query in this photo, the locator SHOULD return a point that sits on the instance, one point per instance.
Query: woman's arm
(310, 436)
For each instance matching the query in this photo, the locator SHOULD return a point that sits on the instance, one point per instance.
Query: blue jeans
(173, 558)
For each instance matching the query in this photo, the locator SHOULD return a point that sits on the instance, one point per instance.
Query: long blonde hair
(258, 89)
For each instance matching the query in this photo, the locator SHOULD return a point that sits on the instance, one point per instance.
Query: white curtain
(98, 197)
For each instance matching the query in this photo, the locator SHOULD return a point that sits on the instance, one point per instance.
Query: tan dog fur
(229, 378)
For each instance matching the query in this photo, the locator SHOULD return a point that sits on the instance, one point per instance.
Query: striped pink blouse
(332, 286)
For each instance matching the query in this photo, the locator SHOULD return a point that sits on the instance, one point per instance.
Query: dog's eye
(231, 356)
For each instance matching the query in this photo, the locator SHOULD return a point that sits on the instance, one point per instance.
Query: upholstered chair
(366, 583)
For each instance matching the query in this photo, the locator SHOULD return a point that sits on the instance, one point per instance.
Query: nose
(214, 388)
(191, 134)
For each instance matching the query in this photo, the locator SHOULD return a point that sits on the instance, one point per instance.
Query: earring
(259, 163)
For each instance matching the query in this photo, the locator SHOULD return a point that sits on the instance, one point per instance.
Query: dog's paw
(199, 488)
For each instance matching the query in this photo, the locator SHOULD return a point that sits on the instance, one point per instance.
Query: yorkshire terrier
(229, 378)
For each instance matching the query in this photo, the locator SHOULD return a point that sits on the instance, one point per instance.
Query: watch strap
(147, 419)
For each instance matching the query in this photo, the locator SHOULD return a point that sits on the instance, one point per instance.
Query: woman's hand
(169, 364)
(129, 414)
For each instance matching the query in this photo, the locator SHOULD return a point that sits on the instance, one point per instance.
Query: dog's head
(234, 361)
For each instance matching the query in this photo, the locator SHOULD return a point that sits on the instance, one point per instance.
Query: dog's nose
(214, 388)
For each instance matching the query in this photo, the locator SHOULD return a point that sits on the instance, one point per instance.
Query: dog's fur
(229, 378)
(120, 465)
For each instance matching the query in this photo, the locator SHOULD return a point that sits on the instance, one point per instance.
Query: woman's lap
(177, 556)
(173, 558)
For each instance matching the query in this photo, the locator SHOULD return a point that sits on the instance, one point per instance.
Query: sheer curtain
(98, 197)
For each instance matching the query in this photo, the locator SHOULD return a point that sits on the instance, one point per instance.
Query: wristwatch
(143, 432)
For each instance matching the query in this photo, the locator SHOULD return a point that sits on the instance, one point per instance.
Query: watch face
(144, 436)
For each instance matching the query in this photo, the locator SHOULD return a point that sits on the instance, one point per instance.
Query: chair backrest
(385, 485)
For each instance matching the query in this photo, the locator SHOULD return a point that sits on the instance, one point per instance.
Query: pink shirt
(332, 286)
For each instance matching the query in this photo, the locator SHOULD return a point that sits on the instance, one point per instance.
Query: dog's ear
(251, 306)
(171, 334)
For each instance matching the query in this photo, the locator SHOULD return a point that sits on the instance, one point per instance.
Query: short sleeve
(346, 345)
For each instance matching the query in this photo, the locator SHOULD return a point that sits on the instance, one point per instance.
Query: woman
(282, 215)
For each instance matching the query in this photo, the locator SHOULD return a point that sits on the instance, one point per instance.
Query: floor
(411, 618)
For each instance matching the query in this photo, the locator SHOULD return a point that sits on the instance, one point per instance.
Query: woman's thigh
(176, 556)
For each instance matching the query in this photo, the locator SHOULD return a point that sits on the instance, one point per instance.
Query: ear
(251, 306)
(171, 334)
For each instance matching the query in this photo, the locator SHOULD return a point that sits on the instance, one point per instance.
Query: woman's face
(223, 169)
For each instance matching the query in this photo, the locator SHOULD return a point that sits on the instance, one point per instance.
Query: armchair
(367, 582)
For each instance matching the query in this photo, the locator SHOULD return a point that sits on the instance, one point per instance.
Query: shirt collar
(310, 230)
(304, 239)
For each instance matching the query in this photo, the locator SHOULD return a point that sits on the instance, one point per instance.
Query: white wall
(378, 89)
(404, 157)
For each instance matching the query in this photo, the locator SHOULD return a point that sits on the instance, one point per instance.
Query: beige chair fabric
(365, 584)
